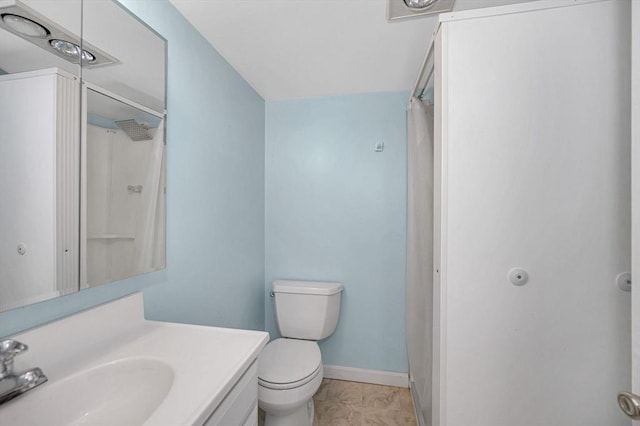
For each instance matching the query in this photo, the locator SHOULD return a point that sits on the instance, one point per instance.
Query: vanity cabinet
(240, 406)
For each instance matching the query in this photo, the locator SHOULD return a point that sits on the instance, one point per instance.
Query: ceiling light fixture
(419, 4)
(72, 50)
(401, 9)
(25, 26)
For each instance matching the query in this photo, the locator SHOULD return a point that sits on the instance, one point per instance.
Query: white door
(524, 150)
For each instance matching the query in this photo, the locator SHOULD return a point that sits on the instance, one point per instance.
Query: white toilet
(290, 368)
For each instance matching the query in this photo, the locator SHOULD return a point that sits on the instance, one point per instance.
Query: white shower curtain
(420, 254)
(149, 237)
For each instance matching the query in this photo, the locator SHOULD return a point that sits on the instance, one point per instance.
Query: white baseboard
(377, 377)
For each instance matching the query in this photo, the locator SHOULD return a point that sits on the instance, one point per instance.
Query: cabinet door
(240, 404)
(252, 419)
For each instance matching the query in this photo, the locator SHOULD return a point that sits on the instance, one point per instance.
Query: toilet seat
(292, 385)
(288, 363)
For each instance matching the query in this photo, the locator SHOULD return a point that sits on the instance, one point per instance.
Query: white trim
(427, 64)
(83, 188)
(439, 356)
(67, 202)
(417, 404)
(38, 73)
(635, 192)
(122, 99)
(510, 9)
(377, 377)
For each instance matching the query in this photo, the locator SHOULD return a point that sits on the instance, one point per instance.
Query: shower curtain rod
(426, 70)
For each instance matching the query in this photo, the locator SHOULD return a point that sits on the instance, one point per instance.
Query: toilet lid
(288, 361)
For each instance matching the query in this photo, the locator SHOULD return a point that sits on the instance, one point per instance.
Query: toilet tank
(307, 309)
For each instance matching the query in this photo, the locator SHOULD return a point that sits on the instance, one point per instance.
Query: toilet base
(290, 407)
(303, 416)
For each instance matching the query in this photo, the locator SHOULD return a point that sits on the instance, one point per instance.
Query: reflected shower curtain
(149, 238)
(420, 254)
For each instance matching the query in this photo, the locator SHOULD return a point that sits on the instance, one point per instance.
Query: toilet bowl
(289, 374)
(290, 368)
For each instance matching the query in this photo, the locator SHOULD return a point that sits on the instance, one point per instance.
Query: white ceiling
(307, 48)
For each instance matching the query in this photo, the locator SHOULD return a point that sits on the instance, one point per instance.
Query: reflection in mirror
(39, 179)
(139, 74)
(39, 150)
(26, 47)
(123, 195)
(125, 188)
(44, 244)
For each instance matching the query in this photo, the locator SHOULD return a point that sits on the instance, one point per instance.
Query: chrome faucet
(14, 384)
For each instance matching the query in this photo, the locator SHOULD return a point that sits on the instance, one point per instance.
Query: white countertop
(206, 361)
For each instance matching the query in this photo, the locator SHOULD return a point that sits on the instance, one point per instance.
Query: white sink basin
(110, 366)
(125, 391)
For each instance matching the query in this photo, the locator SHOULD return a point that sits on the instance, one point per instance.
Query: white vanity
(108, 365)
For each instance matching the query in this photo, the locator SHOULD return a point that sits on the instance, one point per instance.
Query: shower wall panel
(115, 164)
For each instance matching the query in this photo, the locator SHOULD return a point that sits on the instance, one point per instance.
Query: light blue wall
(215, 207)
(335, 210)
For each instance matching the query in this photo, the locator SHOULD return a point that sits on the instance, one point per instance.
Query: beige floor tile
(377, 396)
(343, 403)
(408, 418)
(330, 413)
(384, 417)
(406, 402)
(321, 393)
(345, 392)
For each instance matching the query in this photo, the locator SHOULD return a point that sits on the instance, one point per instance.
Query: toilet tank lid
(322, 288)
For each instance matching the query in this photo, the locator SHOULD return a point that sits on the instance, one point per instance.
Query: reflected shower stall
(125, 186)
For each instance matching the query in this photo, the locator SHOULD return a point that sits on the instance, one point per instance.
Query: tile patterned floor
(342, 403)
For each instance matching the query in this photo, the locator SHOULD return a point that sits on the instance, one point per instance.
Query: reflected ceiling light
(25, 26)
(28, 24)
(72, 50)
(419, 4)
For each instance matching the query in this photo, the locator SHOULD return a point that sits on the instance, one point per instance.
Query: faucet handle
(9, 348)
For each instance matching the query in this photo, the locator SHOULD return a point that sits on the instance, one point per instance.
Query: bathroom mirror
(122, 146)
(134, 54)
(45, 117)
(125, 180)
(26, 28)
